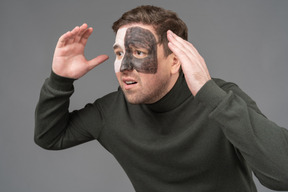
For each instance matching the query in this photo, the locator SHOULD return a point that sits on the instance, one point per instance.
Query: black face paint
(137, 37)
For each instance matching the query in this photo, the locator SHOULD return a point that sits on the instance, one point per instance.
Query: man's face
(140, 51)
(141, 68)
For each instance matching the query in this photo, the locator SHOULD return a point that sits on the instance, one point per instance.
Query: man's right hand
(69, 60)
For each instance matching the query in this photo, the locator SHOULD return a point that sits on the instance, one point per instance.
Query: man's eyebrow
(116, 46)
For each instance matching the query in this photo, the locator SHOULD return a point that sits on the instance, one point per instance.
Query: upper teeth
(129, 82)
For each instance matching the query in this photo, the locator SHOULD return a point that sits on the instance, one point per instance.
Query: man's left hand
(192, 63)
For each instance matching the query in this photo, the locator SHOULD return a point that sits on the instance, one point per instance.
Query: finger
(86, 35)
(181, 43)
(172, 37)
(73, 35)
(83, 28)
(186, 54)
(63, 40)
(180, 50)
(81, 31)
(189, 62)
(184, 45)
(97, 60)
(177, 47)
(183, 57)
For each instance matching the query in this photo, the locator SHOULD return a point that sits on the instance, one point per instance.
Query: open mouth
(130, 82)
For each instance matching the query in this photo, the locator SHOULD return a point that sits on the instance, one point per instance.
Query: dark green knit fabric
(211, 142)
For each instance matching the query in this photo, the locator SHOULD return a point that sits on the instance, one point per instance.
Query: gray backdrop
(242, 41)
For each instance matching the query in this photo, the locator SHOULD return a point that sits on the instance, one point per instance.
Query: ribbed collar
(176, 96)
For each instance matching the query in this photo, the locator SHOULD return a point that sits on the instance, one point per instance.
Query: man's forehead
(121, 33)
(120, 36)
(119, 39)
(139, 25)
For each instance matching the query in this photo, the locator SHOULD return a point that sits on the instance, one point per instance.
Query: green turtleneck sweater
(211, 142)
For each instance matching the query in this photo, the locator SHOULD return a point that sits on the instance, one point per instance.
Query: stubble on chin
(140, 97)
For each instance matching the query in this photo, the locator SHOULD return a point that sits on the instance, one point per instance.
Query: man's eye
(119, 54)
(140, 54)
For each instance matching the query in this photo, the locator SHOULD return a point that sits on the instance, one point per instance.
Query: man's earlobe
(176, 64)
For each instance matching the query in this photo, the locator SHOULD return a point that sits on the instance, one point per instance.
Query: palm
(69, 60)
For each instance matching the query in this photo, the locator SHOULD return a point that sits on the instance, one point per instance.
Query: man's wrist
(210, 94)
(60, 83)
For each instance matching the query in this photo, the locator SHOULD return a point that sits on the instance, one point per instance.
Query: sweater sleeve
(262, 143)
(55, 127)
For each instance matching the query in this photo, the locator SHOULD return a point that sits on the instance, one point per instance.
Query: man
(170, 126)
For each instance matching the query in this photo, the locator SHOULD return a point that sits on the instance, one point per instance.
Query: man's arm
(55, 127)
(262, 143)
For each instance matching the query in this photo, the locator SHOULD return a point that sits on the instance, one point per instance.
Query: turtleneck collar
(176, 96)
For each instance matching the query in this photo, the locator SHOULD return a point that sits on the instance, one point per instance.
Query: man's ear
(176, 64)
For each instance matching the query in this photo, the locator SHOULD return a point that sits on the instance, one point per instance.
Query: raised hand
(192, 63)
(69, 60)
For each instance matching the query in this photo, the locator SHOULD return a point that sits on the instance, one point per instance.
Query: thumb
(97, 60)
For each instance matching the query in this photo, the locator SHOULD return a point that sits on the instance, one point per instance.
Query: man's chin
(134, 101)
(137, 98)
(138, 101)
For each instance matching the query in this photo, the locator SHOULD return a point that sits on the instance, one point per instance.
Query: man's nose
(126, 64)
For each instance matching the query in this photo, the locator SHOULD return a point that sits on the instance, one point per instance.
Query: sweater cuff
(60, 83)
(210, 94)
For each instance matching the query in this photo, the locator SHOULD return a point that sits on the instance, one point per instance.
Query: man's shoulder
(230, 86)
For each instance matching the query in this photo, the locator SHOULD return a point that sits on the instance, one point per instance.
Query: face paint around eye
(119, 47)
(137, 39)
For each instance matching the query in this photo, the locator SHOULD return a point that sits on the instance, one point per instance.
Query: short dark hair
(161, 19)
